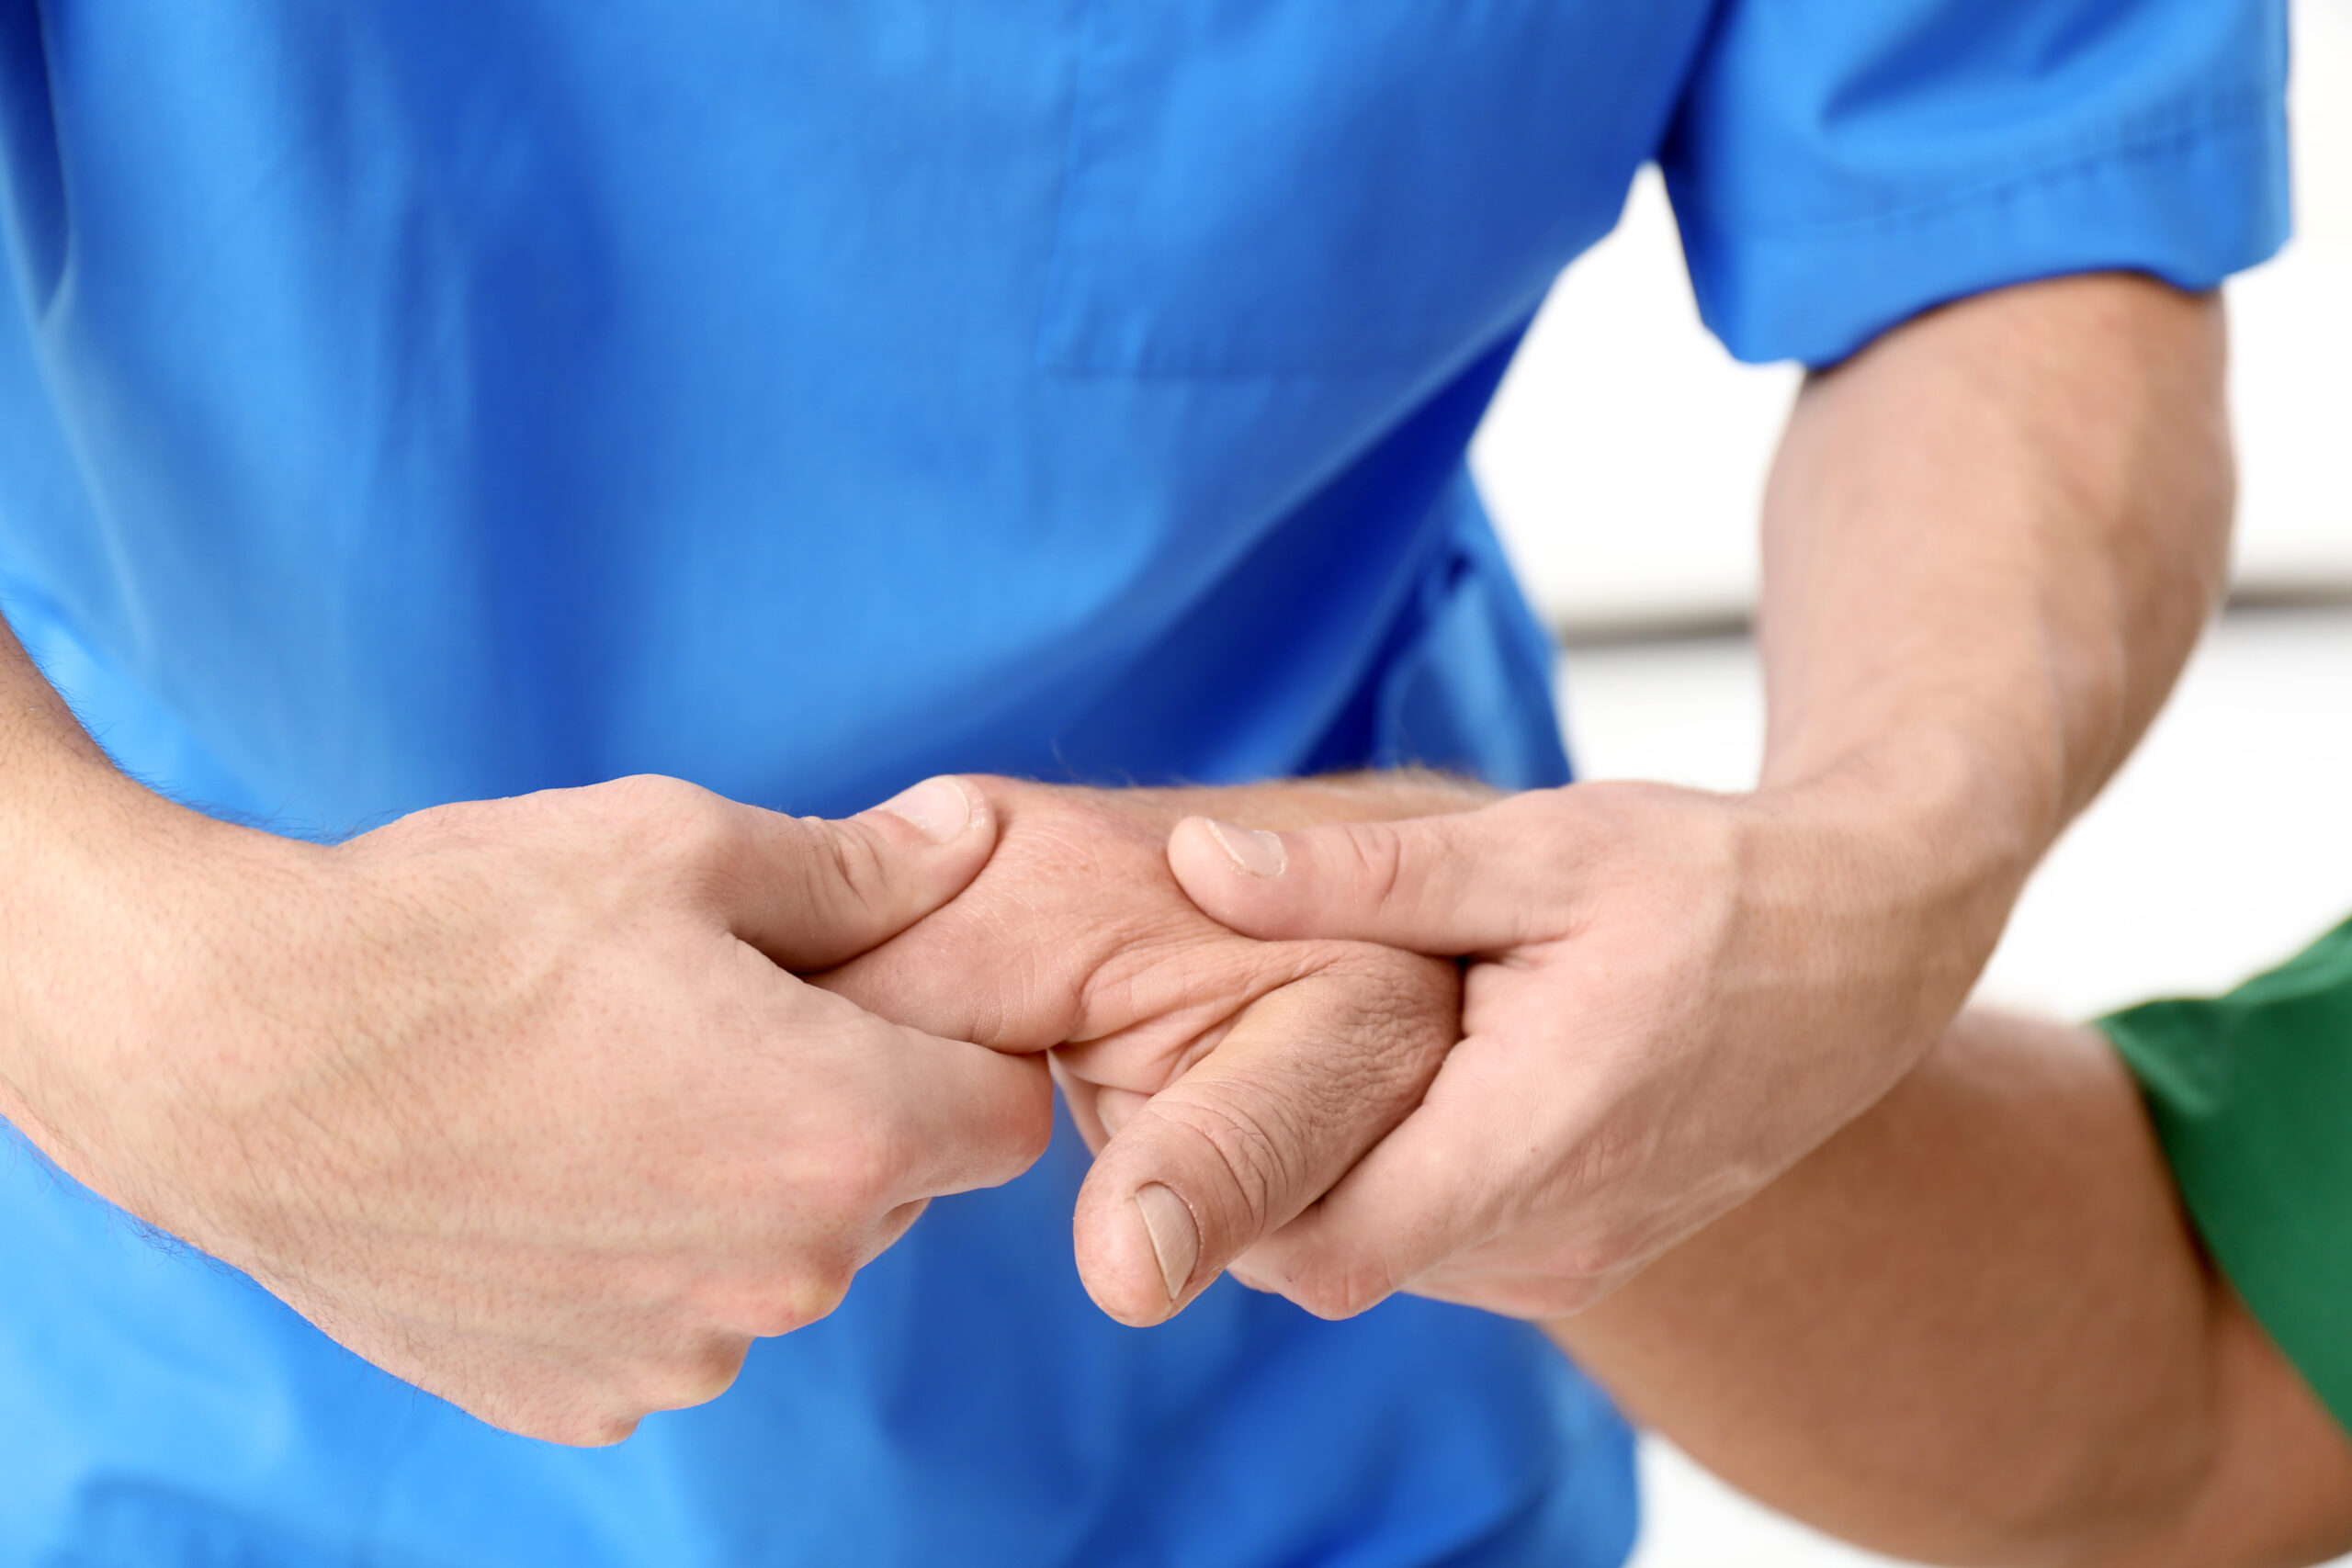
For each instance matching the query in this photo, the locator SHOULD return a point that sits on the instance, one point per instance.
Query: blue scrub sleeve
(1839, 167)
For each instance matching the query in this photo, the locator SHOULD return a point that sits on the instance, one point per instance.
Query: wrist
(1943, 831)
(116, 906)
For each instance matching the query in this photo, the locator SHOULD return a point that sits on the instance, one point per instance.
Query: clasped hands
(552, 1105)
(1225, 1084)
(1664, 998)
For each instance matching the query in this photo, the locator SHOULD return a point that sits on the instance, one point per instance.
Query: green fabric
(2252, 1096)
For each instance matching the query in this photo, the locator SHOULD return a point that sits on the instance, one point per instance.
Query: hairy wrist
(1284, 804)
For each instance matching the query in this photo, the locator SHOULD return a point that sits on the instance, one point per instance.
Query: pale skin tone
(516, 1099)
(1991, 539)
(1971, 1328)
(1974, 1327)
(1171, 1029)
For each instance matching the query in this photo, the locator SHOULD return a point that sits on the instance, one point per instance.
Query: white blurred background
(1624, 461)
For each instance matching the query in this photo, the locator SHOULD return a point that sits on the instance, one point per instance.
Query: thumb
(1309, 1078)
(811, 893)
(1467, 883)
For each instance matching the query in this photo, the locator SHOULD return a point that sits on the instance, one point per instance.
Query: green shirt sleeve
(2252, 1098)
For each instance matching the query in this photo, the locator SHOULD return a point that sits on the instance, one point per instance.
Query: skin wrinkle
(1123, 965)
(1250, 1151)
(1164, 990)
(1074, 1056)
(1144, 995)
(495, 1095)
(1966, 520)
(1815, 935)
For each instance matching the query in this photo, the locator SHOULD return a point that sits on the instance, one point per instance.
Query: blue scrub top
(402, 403)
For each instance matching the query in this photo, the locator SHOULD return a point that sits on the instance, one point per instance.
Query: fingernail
(1257, 852)
(941, 808)
(1175, 1240)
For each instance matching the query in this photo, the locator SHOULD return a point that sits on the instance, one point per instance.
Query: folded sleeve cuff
(2190, 205)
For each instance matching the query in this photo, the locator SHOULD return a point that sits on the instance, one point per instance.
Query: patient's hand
(1224, 1083)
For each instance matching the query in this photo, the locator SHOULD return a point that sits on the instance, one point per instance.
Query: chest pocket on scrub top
(1340, 185)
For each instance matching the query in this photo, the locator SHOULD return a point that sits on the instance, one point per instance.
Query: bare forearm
(1990, 542)
(1972, 1325)
(1973, 1328)
(59, 795)
(42, 747)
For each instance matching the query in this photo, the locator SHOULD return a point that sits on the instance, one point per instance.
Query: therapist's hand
(1169, 1028)
(1674, 995)
(517, 1100)
(1990, 539)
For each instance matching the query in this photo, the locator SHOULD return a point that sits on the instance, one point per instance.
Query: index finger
(1472, 882)
(929, 1116)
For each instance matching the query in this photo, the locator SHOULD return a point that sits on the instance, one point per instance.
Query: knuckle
(771, 1307)
(816, 1294)
(711, 1370)
(669, 821)
(865, 1174)
(897, 1223)
(857, 860)
(642, 798)
(693, 1375)
(702, 832)
(1378, 856)
(585, 1429)
(608, 1431)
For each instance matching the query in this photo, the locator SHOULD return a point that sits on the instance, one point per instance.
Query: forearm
(96, 874)
(43, 749)
(1972, 1327)
(51, 777)
(1990, 541)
